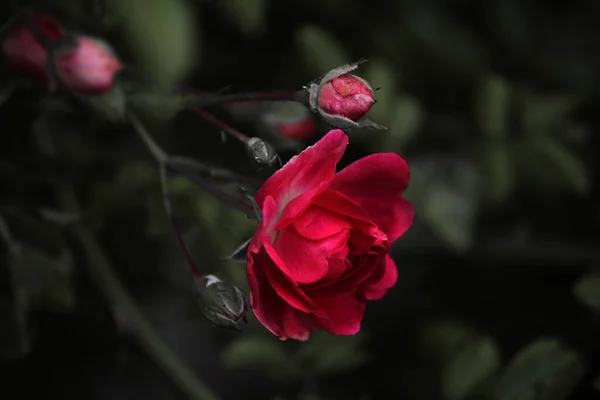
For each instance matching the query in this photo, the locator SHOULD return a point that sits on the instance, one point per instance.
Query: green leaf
(499, 167)
(596, 383)
(558, 163)
(405, 121)
(541, 114)
(19, 331)
(111, 106)
(60, 218)
(135, 175)
(156, 218)
(447, 194)
(440, 339)
(264, 353)
(322, 50)
(438, 33)
(470, 368)
(587, 290)
(545, 369)
(380, 73)
(47, 280)
(327, 354)
(493, 107)
(247, 15)
(163, 36)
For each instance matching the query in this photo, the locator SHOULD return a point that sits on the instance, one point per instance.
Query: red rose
(321, 249)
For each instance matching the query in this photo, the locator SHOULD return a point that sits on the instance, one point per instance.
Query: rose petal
(318, 223)
(358, 271)
(345, 312)
(376, 183)
(276, 270)
(306, 260)
(376, 290)
(304, 175)
(337, 268)
(343, 205)
(272, 311)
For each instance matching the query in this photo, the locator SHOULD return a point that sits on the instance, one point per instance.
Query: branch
(103, 273)
(163, 158)
(175, 162)
(224, 127)
(212, 100)
(169, 211)
(157, 152)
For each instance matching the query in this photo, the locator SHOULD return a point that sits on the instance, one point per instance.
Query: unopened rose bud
(90, 68)
(222, 303)
(342, 99)
(23, 51)
(41, 50)
(262, 154)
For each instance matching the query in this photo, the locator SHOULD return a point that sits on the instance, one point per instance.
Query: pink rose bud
(22, 50)
(90, 68)
(86, 66)
(342, 99)
(222, 303)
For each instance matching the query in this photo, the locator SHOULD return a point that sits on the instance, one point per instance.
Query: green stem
(103, 273)
(165, 159)
(158, 153)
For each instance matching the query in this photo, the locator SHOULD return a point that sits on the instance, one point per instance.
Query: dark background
(494, 105)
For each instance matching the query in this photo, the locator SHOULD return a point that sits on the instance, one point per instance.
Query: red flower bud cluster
(82, 64)
(342, 99)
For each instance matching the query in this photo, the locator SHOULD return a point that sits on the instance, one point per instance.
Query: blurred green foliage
(492, 104)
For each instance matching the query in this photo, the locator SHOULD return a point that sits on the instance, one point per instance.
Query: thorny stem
(212, 172)
(163, 158)
(224, 127)
(213, 190)
(103, 273)
(169, 211)
(213, 100)
(157, 152)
